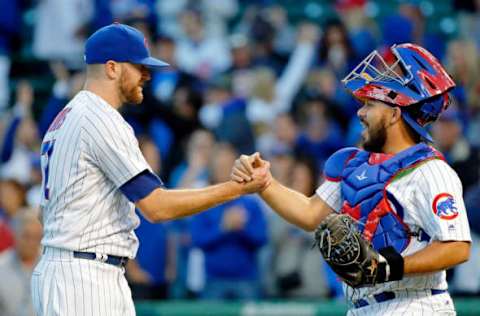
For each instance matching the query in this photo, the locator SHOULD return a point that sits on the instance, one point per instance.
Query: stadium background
(247, 75)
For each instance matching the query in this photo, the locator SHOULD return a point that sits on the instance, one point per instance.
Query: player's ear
(396, 115)
(112, 70)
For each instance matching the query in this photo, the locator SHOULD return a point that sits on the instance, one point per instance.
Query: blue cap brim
(417, 127)
(151, 62)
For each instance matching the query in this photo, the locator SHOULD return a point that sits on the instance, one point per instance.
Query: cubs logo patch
(444, 206)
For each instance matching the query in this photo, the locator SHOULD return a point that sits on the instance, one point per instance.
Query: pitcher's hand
(261, 178)
(244, 166)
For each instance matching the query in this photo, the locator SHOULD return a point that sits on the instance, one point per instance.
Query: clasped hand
(253, 172)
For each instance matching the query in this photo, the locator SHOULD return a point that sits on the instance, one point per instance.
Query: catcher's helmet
(415, 81)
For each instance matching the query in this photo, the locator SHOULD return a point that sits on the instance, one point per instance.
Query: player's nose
(361, 112)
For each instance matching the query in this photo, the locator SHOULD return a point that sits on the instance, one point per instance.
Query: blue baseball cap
(121, 43)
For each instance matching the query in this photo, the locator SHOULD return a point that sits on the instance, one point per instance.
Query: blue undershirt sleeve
(141, 185)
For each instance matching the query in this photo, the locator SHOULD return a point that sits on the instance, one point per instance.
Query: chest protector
(364, 181)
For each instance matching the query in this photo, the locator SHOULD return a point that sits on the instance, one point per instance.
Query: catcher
(390, 217)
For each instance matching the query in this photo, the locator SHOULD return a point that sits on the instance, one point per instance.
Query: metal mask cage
(375, 68)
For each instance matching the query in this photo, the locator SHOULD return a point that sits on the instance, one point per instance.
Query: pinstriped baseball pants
(64, 285)
(410, 303)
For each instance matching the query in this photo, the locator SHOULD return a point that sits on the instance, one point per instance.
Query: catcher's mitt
(352, 257)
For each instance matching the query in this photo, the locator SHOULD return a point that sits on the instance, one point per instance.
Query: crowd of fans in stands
(245, 76)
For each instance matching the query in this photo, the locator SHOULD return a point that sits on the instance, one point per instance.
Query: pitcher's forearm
(171, 204)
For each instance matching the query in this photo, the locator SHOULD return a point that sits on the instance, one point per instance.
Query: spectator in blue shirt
(150, 273)
(225, 115)
(322, 136)
(67, 84)
(20, 143)
(230, 236)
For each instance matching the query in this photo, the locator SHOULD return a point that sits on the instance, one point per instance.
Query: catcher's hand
(352, 257)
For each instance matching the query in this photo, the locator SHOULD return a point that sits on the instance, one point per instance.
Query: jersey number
(47, 150)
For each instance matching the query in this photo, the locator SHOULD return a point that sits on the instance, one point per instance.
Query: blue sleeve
(336, 163)
(255, 232)
(140, 186)
(9, 140)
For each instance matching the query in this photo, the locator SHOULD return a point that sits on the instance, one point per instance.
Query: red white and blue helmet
(415, 81)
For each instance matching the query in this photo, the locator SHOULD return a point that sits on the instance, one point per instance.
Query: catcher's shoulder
(437, 169)
(336, 162)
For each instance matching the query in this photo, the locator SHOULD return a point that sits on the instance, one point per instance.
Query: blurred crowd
(245, 76)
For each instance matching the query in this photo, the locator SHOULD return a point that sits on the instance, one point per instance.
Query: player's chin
(137, 97)
(138, 101)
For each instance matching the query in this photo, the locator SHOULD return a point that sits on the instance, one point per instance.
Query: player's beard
(375, 137)
(131, 92)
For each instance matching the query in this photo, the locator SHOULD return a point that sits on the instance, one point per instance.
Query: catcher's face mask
(412, 78)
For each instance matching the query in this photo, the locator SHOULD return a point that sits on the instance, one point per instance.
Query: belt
(387, 296)
(110, 259)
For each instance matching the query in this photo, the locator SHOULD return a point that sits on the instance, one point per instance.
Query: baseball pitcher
(94, 176)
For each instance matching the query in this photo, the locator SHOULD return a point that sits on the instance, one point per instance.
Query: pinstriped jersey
(431, 196)
(88, 153)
